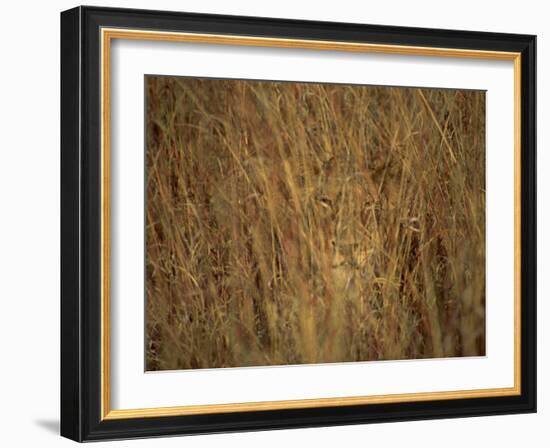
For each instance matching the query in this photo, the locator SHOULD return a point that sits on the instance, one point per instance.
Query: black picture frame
(81, 224)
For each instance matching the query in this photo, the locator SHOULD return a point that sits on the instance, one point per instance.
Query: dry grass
(294, 223)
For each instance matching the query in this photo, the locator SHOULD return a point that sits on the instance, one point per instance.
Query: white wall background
(29, 224)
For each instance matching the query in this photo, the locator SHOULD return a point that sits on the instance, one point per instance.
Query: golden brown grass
(294, 223)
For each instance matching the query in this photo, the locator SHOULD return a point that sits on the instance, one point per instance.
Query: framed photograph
(273, 223)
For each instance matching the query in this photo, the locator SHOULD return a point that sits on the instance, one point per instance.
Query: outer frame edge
(71, 384)
(529, 220)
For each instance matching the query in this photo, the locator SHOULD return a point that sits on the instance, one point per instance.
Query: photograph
(308, 223)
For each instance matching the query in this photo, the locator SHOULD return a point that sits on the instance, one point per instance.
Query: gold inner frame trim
(107, 35)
